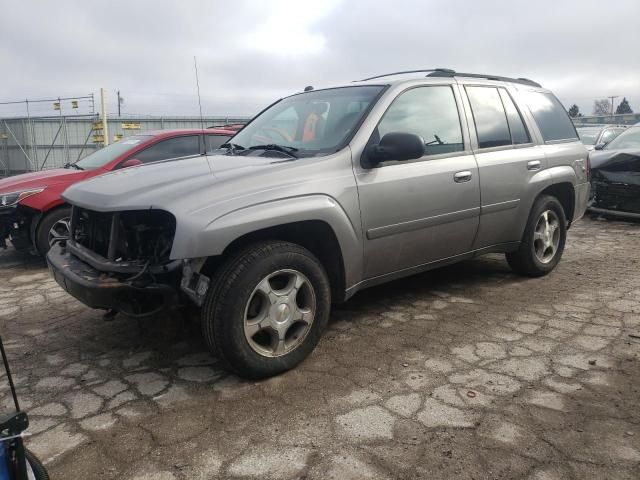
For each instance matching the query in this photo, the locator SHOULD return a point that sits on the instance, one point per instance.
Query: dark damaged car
(615, 176)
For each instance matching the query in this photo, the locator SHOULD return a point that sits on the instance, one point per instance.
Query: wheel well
(565, 194)
(314, 235)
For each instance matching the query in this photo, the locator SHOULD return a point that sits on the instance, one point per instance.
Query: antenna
(9, 377)
(195, 66)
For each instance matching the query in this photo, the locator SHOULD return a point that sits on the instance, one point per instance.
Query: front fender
(220, 232)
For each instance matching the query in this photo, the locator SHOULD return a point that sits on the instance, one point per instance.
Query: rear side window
(171, 148)
(430, 112)
(214, 141)
(519, 134)
(489, 117)
(552, 119)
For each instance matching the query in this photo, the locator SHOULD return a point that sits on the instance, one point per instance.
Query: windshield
(105, 155)
(312, 122)
(588, 136)
(628, 139)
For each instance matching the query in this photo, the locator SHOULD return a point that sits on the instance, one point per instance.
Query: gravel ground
(466, 372)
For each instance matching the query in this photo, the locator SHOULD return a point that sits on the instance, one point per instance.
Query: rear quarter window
(550, 116)
(213, 142)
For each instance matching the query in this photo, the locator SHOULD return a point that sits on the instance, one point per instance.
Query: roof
(186, 131)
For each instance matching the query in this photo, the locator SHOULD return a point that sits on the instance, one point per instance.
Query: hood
(617, 166)
(620, 160)
(40, 179)
(161, 185)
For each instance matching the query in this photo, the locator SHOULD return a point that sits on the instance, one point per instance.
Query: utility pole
(103, 112)
(612, 97)
(119, 103)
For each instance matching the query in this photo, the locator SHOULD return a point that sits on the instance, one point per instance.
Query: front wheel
(38, 472)
(267, 309)
(543, 240)
(53, 229)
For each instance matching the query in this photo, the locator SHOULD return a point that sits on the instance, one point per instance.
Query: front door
(420, 211)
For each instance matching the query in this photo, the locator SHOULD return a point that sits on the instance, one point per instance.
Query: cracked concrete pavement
(464, 372)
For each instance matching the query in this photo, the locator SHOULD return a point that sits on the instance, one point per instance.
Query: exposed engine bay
(134, 237)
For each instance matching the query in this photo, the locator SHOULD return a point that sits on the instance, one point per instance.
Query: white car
(599, 135)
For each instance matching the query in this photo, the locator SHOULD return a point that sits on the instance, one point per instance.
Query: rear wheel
(54, 228)
(543, 240)
(267, 309)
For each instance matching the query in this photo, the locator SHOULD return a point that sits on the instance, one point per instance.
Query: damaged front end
(615, 184)
(119, 260)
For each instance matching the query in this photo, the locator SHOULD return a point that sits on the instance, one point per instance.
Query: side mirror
(600, 146)
(395, 146)
(132, 162)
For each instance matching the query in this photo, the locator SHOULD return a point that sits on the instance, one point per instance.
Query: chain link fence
(29, 144)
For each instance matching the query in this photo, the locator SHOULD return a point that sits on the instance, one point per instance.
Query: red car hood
(44, 178)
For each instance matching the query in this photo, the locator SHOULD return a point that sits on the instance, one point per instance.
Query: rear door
(508, 161)
(420, 211)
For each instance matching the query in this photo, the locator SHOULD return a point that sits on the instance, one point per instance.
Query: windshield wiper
(279, 148)
(73, 165)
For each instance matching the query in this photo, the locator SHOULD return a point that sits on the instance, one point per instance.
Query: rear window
(589, 136)
(489, 116)
(552, 118)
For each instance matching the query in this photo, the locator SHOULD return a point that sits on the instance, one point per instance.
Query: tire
(538, 253)
(39, 472)
(251, 324)
(46, 224)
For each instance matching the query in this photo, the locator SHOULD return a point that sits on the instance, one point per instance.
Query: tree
(624, 107)
(602, 107)
(574, 111)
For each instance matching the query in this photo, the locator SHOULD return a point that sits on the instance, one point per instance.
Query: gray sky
(251, 52)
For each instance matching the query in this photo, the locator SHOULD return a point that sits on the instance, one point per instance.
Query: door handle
(461, 177)
(534, 165)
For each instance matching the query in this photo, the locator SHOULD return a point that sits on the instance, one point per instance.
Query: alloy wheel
(279, 313)
(59, 232)
(546, 236)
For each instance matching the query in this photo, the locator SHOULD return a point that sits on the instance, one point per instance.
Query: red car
(34, 216)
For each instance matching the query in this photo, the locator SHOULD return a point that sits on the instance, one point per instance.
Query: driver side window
(430, 112)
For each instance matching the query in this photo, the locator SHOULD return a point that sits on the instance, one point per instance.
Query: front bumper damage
(120, 261)
(14, 226)
(615, 185)
(75, 271)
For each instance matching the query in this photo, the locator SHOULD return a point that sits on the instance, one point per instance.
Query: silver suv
(324, 193)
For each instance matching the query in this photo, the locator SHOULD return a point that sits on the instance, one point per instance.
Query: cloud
(252, 52)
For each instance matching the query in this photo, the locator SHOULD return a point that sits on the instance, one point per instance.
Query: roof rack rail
(447, 72)
(451, 73)
(443, 70)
